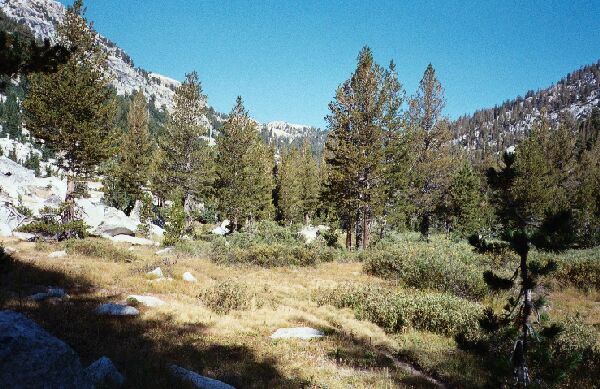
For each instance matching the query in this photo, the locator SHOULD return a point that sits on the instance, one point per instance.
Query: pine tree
(587, 204)
(466, 205)
(554, 233)
(289, 186)
(11, 117)
(364, 110)
(544, 165)
(311, 183)
(72, 109)
(131, 172)
(426, 155)
(298, 185)
(186, 160)
(244, 170)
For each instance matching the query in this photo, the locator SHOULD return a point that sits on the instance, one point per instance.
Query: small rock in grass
(156, 273)
(103, 372)
(197, 380)
(24, 236)
(117, 310)
(189, 277)
(51, 293)
(300, 333)
(131, 248)
(133, 240)
(148, 301)
(58, 254)
(9, 250)
(166, 250)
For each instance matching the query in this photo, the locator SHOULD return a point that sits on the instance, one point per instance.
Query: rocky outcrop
(32, 358)
(197, 380)
(300, 333)
(103, 373)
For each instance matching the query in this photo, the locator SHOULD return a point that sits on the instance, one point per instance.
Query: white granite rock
(58, 254)
(104, 373)
(222, 229)
(10, 250)
(189, 277)
(148, 301)
(32, 358)
(133, 240)
(299, 332)
(197, 380)
(51, 293)
(156, 273)
(117, 310)
(24, 236)
(166, 250)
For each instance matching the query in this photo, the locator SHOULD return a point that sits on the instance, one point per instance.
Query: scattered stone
(131, 248)
(189, 277)
(310, 233)
(197, 380)
(24, 236)
(104, 373)
(300, 333)
(117, 310)
(32, 358)
(51, 293)
(133, 240)
(9, 250)
(148, 301)
(222, 229)
(156, 273)
(166, 250)
(58, 254)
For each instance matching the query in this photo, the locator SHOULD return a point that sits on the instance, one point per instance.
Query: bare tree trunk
(69, 212)
(306, 219)
(349, 237)
(365, 228)
(520, 354)
(424, 227)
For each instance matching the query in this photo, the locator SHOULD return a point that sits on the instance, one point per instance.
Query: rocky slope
(496, 129)
(41, 17)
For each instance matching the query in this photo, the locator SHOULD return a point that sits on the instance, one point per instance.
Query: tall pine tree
(244, 166)
(365, 108)
(72, 109)
(131, 169)
(186, 160)
(427, 156)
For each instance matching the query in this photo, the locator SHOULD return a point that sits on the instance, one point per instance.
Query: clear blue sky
(285, 58)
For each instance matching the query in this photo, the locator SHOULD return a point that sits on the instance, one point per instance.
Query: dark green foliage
(428, 266)
(59, 231)
(175, 223)
(394, 311)
(101, 249)
(20, 53)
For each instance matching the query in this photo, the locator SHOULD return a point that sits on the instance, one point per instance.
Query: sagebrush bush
(98, 248)
(270, 255)
(440, 313)
(444, 267)
(226, 296)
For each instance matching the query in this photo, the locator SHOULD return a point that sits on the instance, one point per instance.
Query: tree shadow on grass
(141, 348)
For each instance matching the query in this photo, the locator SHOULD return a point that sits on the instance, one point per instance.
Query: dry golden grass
(234, 347)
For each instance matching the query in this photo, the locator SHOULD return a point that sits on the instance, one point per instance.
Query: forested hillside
(575, 100)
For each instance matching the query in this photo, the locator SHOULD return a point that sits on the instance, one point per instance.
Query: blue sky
(285, 58)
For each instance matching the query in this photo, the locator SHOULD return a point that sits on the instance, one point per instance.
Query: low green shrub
(76, 228)
(226, 296)
(440, 313)
(429, 266)
(270, 255)
(98, 248)
(580, 268)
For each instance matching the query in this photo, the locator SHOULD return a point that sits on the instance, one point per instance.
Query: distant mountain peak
(42, 16)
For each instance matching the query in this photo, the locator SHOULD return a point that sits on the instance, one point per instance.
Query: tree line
(390, 160)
